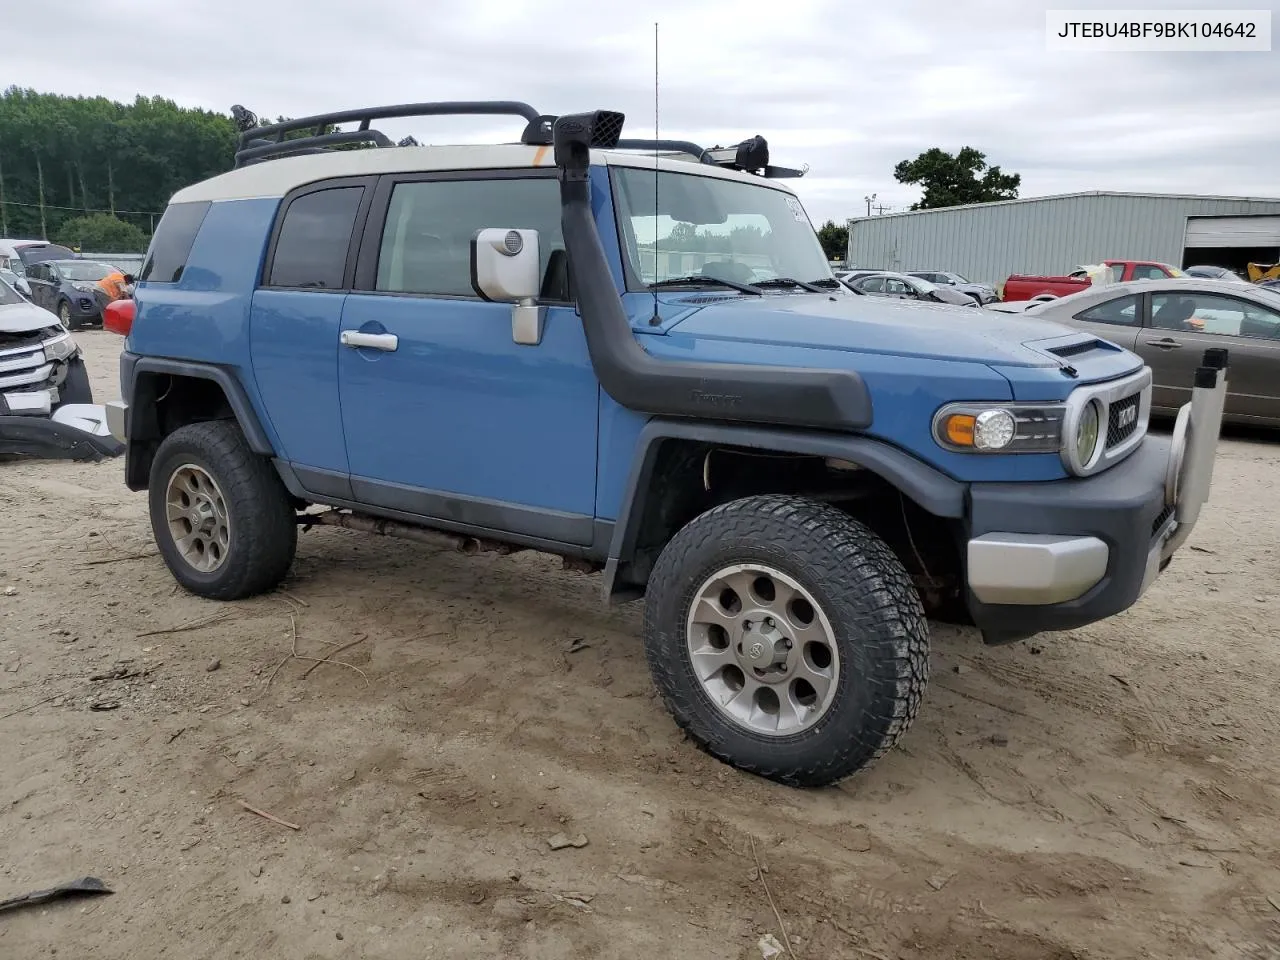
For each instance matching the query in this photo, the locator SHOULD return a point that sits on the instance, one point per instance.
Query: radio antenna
(655, 320)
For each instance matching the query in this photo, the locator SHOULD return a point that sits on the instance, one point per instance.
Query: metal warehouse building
(986, 242)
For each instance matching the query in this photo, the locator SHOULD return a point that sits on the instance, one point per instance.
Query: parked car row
(923, 285)
(76, 286)
(1170, 322)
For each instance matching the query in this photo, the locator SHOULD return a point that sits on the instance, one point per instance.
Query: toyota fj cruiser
(633, 354)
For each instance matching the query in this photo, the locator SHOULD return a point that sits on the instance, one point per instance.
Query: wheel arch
(626, 573)
(165, 394)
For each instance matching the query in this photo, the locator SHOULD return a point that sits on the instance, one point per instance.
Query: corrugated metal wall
(987, 242)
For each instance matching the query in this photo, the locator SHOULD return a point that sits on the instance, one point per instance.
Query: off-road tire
(76, 388)
(875, 614)
(264, 532)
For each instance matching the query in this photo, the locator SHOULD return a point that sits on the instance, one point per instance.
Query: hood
(23, 317)
(881, 325)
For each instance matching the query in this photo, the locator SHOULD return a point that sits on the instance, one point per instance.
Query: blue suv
(633, 354)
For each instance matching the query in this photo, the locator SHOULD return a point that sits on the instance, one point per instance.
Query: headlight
(1000, 427)
(84, 287)
(1087, 433)
(60, 348)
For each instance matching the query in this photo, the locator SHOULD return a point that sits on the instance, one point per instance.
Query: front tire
(219, 513)
(786, 638)
(65, 318)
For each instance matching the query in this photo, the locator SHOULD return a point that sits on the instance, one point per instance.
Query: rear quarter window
(315, 239)
(171, 245)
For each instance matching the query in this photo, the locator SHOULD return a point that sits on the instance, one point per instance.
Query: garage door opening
(1231, 242)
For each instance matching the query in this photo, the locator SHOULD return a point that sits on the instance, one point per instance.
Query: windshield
(715, 228)
(957, 278)
(923, 285)
(83, 270)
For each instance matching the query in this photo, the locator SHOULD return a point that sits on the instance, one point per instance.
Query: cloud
(849, 89)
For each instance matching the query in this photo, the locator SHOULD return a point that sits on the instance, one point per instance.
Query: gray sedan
(906, 287)
(1170, 322)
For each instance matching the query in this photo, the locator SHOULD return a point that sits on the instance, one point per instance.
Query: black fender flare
(133, 367)
(931, 489)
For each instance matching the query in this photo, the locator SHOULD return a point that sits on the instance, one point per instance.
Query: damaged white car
(46, 403)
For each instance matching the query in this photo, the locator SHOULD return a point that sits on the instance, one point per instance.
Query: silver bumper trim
(1034, 568)
(115, 413)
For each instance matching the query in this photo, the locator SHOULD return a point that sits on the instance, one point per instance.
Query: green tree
(952, 180)
(103, 233)
(834, 240)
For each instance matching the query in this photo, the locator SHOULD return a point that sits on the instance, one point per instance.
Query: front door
(1184, 325)
(445, 416)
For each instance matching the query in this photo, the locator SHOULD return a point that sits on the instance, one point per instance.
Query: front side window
(8, 295)
(315, 236)
(1148, 271)
(426, 241)
(1209, 313)
(711, 227)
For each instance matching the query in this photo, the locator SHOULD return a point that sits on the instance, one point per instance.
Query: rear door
(296, 316)
(1183, 325)
(1118, 320)
(38, 281)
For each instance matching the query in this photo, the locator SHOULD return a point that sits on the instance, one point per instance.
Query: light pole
(870, 200)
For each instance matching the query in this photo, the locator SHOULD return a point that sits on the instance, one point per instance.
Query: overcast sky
(847, 88)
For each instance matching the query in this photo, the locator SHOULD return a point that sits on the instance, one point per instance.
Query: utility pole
(880, 209)
(870, 200)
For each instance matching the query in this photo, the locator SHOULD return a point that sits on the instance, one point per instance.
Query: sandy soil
(1106, 793)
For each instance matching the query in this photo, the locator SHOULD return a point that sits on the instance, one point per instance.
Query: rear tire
(844, 642)
(219, 513)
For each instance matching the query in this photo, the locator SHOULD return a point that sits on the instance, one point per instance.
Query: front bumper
(1063, 554)
(84, 306)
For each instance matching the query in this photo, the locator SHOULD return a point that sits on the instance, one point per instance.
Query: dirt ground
(1106, 793)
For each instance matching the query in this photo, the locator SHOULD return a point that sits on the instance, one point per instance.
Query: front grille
(1123, 420)
(27, 338)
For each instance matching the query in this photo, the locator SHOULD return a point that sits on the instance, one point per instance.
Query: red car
(1019, 287)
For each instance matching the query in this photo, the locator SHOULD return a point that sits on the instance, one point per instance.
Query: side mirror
(504, 269)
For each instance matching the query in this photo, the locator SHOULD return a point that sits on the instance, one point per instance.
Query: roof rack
(751, 156)
(267, 141)
(263, 142)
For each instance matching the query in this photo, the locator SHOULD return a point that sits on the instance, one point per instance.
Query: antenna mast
(655, 320)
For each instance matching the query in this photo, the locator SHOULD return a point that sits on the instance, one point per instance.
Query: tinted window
(36, 272)
(1122, 311)
(311, 250)
(426, 242)
(873, 285)
(171, 244)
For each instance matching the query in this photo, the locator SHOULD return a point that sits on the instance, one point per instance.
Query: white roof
(274, 178)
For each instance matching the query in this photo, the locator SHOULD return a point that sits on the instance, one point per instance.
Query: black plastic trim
(368, 183)
(935, 492)
(48, 439)
(325, 483)
(789, 396)
(1118, 506)
(231, 388)
(536, 524)
(548, 525)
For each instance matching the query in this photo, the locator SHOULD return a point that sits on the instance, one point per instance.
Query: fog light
(993, 429)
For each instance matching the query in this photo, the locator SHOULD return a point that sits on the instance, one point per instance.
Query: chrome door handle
(1168, 343)
(374, 341)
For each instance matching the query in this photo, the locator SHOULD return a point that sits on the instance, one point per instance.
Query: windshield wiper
(788, 282)
(828, 283)
(697, 281)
